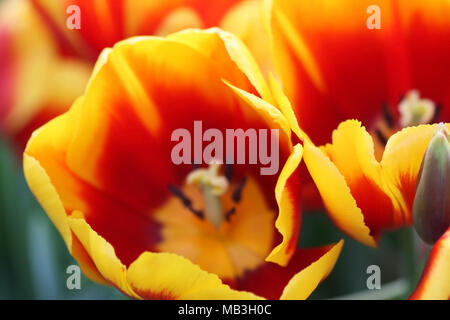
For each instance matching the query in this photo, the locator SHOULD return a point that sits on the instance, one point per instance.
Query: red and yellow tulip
(334, 68)
(103, 173)
(45, 65)
(365, 196)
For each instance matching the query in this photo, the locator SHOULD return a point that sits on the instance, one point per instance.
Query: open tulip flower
(365, 196)
(336, 64)
(45, 65)
(134, 219)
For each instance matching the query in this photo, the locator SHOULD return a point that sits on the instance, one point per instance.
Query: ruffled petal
(337, 197)
(306, 281)
(169, 276)
(289, 216)
(382, 193)
(297, 280)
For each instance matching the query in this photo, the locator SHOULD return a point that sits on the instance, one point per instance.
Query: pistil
(415, 110)
(213, 186)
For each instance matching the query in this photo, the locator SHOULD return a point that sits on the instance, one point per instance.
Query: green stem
(409, 249)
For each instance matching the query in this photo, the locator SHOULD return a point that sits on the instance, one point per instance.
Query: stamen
(414, 110)
(186, 202)
(237, 194)
(198, 213)
(381, 137)
(388, 116)
(179, 194)
(229, 213)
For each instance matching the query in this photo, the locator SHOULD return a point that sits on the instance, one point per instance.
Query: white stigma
(213, 186)
(414, 110)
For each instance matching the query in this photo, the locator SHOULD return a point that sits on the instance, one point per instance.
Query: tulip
(134, 219)
(365, 196)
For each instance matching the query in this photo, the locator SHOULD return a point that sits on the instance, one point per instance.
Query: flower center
(220, 223)
(415, 110)
(213, 186)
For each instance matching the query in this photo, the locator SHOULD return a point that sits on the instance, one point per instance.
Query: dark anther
(229, 213)
(237, 194)
(381, 136)
(437, 113)
(388, 115)
(186, 202)
(179, 194)
(198, 213)
(229, 171)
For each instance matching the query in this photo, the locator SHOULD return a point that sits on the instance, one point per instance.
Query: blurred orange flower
(45, 65)
(103, 173)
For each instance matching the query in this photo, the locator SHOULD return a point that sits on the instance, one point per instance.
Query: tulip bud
(431, 209)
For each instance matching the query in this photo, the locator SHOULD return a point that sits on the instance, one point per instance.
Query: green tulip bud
(431, 208)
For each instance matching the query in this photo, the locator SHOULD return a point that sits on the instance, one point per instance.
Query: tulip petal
(313, 45)
(401, 163)
(230, 51)
(48, 146)
(352, 152)
(306, 281)
(286, 108)
(291, 279)
(169, 276)
(103, 255)
(424, 25)
(289, 217)
(265, 109)
(245, 21)
(45, 192)
(435, 281)
(337, 197)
